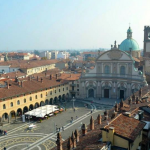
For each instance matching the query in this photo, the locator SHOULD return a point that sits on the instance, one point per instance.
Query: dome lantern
(129, 33)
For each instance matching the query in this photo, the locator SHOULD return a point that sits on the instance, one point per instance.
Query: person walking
(62, 128)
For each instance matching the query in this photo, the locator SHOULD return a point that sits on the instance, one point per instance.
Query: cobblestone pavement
(43, 137)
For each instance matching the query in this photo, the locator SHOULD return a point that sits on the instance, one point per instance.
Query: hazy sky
(70, 24)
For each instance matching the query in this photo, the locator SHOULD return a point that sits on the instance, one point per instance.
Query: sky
(70, 24)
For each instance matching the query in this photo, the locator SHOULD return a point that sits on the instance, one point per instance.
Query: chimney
(21, 83)
(37, 78)
(137, 100)
(59, 141)
(69, 144)
(116, 107)
(140, 93)
(73, 140)
(114, 114)
(50, 77)
(41, 80)
(106, 114)
(111, 135)
(99, 118)
(76, 133)
(92, 123)
(84, 129)
(16, 79)
(130, 100)
(7, 84)
(56, 76)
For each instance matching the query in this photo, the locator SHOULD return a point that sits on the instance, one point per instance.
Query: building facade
(114, 76)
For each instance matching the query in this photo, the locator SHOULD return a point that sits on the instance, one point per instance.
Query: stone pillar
(106, 114)
(69, 144)
(59, 141)
(73, 140)
(99, 118)
(76, 133)
(92, 123)
(84, 129)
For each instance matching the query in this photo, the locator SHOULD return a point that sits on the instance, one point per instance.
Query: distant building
(45, 54)
(62, 55)
(87, 55)
(21, 56)
(54, 54)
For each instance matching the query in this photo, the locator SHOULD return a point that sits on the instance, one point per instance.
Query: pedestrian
(76, 117)
(4, 148)
(91, 111)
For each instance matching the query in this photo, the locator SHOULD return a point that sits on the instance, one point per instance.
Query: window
(4, 106)
(35, 96)
(55, 91)
(59, 90)
(24, 100)
(122, 70)
(41, 95)
(63, 89)
(18, 102)
(11, 104)
(66, 88)
(50, 92)
(107, 69)
(77, 89)
(46, 93)
(30, 98)
(77, 85)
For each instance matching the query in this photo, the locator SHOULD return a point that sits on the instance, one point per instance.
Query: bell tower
(146, 41)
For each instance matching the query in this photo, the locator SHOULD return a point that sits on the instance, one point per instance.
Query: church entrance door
(106, 93)
(91, 93)
(121, 94)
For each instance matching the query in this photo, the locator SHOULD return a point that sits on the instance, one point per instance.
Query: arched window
(107, 69)
(35, 96)
(24, 100)
(41, 95)
(46, 93)
(30, 98)
(4, 106)
(122, 70)
(11, 104)
(18, 102)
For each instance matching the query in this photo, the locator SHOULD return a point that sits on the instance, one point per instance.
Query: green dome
(129, 43)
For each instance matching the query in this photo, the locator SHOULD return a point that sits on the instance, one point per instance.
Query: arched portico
(55, 100)
(31, 107)
(25, 109)
(46, 102)
(5, 117)
(59, 98)
(36, 105)
(51, 101)
(42, 103)
(63, 97)
(19, 112)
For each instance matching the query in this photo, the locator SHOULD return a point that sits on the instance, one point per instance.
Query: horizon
(70, 25)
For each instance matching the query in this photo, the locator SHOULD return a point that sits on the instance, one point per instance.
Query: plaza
(43, 137)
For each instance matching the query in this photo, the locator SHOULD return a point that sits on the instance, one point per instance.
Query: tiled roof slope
(28, 87)
(126, 127)
(70, 77)
(27, 63)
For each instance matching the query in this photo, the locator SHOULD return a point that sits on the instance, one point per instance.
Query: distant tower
(146, 41)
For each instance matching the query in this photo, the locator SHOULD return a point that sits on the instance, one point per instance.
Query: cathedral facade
(114, 76)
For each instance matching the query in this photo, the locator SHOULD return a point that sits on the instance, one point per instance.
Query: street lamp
(73, 102)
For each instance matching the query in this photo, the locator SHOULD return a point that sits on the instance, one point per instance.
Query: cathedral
(114, 75)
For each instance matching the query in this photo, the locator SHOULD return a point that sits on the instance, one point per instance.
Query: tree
(44, 58)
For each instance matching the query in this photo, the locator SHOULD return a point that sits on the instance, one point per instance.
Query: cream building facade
(114, 76)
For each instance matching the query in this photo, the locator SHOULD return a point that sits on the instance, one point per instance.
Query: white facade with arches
(114, 76)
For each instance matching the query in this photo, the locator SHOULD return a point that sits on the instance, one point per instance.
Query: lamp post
(73, 102)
